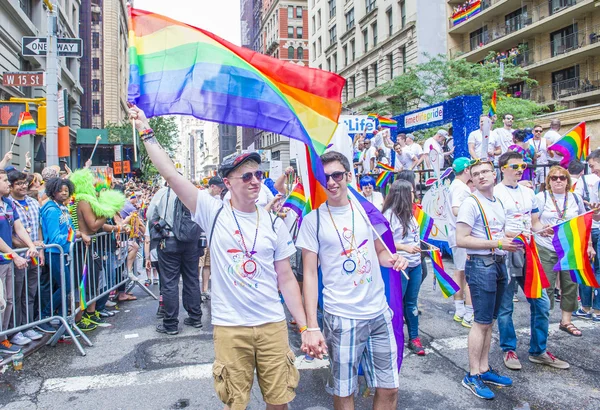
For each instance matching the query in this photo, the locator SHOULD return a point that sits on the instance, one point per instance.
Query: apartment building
(368, 42)
(192, 151)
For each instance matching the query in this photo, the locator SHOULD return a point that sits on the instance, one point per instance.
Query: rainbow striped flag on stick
(573, 145)
(296, 201)
(570, 241)
(493, 107)
(386, 167)
(535, 277)
(383, 178)
(425, 222)
(447, 284)
(71, 235)
(26, 125)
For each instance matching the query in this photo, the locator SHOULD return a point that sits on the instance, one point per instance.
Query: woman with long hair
(398, 210)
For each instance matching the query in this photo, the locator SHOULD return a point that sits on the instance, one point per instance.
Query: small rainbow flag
(70, 235)
(570, 242)
(387, 167)
(297, 201)
(383, 121)
(26, 125)
(535, 277)
(492, 111)
(383, 179)
(447, 284)
(573, 145)
(4, 257)
(82, 285)
(34, 261)
(425, 222)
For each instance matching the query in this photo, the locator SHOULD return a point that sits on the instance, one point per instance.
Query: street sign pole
(52, 91)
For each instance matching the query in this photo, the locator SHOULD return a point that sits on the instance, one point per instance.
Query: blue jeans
(588, 293)
(53, 261)
(540, 314)
(410, 295)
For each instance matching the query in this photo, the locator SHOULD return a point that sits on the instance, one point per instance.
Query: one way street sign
(38, 46)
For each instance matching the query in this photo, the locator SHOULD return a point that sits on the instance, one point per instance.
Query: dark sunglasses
(555, 178)
(247, 177)
(337, 176)
(537, 131)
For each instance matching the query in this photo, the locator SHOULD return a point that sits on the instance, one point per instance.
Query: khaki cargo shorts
(239, 350)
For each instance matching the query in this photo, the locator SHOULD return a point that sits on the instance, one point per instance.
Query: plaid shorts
(370, 343)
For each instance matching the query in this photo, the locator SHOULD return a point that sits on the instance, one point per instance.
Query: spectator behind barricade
(367, 186)
(47, 174)
(130, 205)
(56, 225)
(25, 280)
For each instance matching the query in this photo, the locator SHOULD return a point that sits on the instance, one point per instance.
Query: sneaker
(147, 283)
(193, 323)
(20, 340)
(86, 325)
(8, 348)
(155, 282)
(105, 313)
(416, 347)
(32, 334)
(46, 328)
(467, 323)
(160, 313)
(511, 361)
(478, 387)
(205, 295)
(515, 298)
(583, 314)
(110, 303)
(549, 360)
(492, 377)
(595, 318)
(95, 318)
(161, 329)
(458, 318)
(556, 295)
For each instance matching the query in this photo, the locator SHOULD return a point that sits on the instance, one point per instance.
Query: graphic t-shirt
(412, 238)
(459, 191)
(403, 160)
(519, 205)
(550, 213)
(470, 214)
(355, 295)
(432, 145)
(238, 298)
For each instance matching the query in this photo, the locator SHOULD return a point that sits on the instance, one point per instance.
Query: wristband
(313, 329)
(147, 134)
(499, 244)
(303, 329)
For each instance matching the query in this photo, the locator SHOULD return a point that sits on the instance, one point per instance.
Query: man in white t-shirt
(357, 319)
(403, 157)
(433, 151)
(459, 191)
(540, 146)
(480, 230)
(368, 157)
(551, 136)
(475, 142)
(250, 255)
(504, 135)
(522, 216)
(415, 149)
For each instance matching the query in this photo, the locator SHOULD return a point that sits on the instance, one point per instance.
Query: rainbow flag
(34, 261)
(82, 285)
(573, 145)
(535, 277)
(425, 222)
(297, 201)
(71, 235)
(466, 14)
(4, 257)
(570, 242)
(385, 166)
(492, 111)
(26, 125)
(447, 284)
(383, 121)
(383, 178)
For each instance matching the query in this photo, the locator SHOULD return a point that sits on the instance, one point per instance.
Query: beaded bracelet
(147, 134)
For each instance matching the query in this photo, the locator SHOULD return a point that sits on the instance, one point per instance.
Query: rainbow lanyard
(486, 224)
(561, 215)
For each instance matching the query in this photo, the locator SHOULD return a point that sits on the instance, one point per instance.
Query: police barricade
(36, 296)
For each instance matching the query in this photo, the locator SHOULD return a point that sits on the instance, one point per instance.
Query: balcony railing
(563, 89)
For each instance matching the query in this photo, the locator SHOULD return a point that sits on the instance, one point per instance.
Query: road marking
(132, 336)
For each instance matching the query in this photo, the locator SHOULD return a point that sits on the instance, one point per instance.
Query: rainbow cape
(573, 145)
(466, 14)
(492, 111)
(570, 242)
(535, 277)
(425, 222)
(447, 284)
(26, 125)
(297, 201)
(71, 235)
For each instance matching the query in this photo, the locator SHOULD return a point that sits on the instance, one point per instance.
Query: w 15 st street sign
(38, 46)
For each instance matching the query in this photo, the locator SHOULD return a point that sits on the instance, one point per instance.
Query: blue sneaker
(477, 387)
(583, 314)
(492, 377)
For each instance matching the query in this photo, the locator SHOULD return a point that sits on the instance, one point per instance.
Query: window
(95, 63)
(403, 55)
(332, 35)
(365, 34)
(96, 107)
(298, 32)
(557, 5)
(564, 82)
(350, 19)
(96, 40)
(515, 20)
(290, 12)
(366, 78)
(319, 19)
(370, 5)
(391, 65)
(478, 38)
(346, 91)
(95, 85)
(290, 53)
(319, 46)
(353, 84)
(374, 74)
(328, 64)
(290, 32)
(516, 90)
(390, 22)
(27, 7)
(374, 30)
(402, 14)
(314, 50)
(299, 12)
(334, 61)
(300, 53)
(353, 49)
(345, 51)
(331, 8)
(314, 26)
(564, 40)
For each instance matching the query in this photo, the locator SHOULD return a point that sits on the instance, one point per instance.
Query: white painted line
(132, 336)
(127, 311)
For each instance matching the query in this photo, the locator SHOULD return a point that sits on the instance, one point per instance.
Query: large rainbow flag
(573, 145)
(535, 277)
(466, 14)
(571, 240)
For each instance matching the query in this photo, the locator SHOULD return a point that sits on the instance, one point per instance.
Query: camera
(162, 228)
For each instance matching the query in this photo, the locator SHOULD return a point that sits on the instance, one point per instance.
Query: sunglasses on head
(336, 176)
(247, 177)
(555, 178)
(479, 161)
(515, 167)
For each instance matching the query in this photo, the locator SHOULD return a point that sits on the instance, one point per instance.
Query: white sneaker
(20, 340)
(33, 335)
(110, 303)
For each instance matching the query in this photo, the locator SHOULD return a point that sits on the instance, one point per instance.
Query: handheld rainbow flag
(383, 178)
(71, 235)
(492, 111)
(535, 277)
(425, 222)
(387, 167)
(4, 257)
(387, 122)
(35, 261)
(573, 145)
(26, 125)
(447, 284)
(296, 201)
(570, 242)
(82, 285)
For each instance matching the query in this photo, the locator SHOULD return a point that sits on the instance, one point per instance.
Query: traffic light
(41, 120)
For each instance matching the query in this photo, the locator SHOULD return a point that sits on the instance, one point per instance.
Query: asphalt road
(131, 366)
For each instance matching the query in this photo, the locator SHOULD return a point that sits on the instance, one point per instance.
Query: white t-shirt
(540, 148)
(412, 238)
(504, 138)
(432, 145)
(592, 183)
(459, 191)
(357, 295)
(376, 199)
(469, 214)
(476, 137)
(365, 159)
(553, 136)
(264, 196)
(237, 299)
(519, 205)
(549, 214)
(414, 149)
(403, 160)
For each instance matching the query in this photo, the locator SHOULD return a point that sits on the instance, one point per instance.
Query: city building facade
(192, 147)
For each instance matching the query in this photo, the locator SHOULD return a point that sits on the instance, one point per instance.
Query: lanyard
(352, 239)
(561, 215)
(250, 254)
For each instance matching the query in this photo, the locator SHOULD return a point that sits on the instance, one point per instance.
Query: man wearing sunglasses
(522, 216)
(480, 228)
(250, 260)
(357, 319)
(540, 146)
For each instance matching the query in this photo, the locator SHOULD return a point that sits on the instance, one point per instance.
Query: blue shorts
(487, 280)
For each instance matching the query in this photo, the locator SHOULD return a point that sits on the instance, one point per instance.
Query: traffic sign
(38, 46)
(121, 167)
(10, 113)
(24, 79)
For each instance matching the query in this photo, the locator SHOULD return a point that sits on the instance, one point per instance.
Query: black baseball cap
(218, 181)
(234, 162)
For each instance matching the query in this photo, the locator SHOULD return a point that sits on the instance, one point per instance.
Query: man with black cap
(248, 273)
(215, 186)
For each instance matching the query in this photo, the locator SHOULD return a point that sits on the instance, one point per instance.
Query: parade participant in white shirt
(480, 230)
(504, 135)
(458, 192)
(357, 318)
(551, 136)
(435, 143)
(415, 149)
(367, 186)
(403, 157)
(368, 157)
(540, 146)
(475, 142)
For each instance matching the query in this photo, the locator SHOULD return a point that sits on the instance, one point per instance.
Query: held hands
(313, 344)
(32, 252)
(20, 263)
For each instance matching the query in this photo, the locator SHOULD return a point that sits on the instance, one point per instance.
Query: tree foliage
(165, 131)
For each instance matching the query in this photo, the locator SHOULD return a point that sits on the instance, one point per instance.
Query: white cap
(443, 133)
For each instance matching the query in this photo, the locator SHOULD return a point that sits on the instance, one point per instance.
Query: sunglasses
(555, 178)
(537, 131)
(247, 177)
(479, 161)
(336, 176)
(515, 167)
